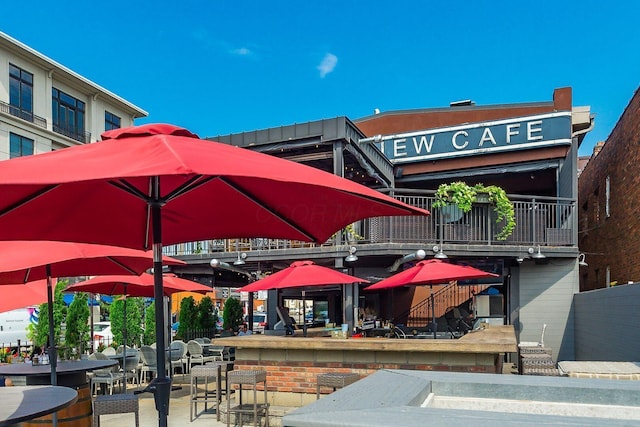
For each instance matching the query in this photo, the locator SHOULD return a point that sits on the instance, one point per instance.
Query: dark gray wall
(608, 324)
(545, 296)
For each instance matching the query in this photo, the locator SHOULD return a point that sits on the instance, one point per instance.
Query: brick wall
(300, 376)
(612, 240)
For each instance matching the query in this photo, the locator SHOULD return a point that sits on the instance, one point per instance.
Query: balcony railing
(78, 135)
(548, 222)
(23, 114)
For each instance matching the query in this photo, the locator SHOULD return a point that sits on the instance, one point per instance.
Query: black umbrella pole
(53, 356)
(162, 389)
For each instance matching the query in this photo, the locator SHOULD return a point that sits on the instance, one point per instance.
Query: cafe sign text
(478, 138)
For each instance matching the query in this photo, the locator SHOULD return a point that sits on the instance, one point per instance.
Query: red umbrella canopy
(146, 186)
(301, 274)
(431, 272)
(102, 193)
(23, 295)
(24, 261)
(136, 286)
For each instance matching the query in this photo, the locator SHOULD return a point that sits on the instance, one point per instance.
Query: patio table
(72, 375)
(23, 403)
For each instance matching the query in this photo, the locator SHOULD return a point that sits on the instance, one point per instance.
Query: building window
(68, 115)
(607, 192)
(19, 146)
(111, 121)
(21, 93)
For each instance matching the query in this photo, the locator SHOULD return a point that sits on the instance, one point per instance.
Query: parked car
(102, 334)
(259, 322)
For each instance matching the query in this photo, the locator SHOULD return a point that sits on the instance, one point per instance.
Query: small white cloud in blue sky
(327, 64)
(243, 51)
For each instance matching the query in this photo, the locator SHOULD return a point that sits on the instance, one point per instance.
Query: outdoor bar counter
(294, 362)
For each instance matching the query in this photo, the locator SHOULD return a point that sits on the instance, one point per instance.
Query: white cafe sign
(478, 138)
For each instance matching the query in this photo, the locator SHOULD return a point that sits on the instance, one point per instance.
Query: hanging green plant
(464, 196)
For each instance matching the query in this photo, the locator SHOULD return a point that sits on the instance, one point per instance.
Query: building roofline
(455, 108)
(49, 64)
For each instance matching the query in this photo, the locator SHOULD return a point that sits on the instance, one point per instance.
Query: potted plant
(464, 196)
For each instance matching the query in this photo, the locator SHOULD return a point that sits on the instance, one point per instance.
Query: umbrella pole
(124, 340)
(434, 323)
(163, 384)
(53, 357)
(304, 314)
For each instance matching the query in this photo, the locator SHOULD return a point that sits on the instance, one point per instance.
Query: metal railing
(23, 114)
(78, 135)
(545, 222)
(444, 298)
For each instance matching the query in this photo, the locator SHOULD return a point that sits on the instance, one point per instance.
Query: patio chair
(196, 355)
(149, 362)
(178, 350)
(216, 351)
(130, 370)
(109, 351)
(534, 343)
(107, 376)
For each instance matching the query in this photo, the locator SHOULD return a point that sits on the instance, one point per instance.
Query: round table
(24, 403)
(71, 374)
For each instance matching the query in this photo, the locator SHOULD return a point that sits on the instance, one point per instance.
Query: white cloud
(243, 51)
(327, 64)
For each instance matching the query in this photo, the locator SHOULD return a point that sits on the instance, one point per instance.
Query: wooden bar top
(492, 339)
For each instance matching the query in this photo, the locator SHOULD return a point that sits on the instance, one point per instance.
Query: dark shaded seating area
(453, 324)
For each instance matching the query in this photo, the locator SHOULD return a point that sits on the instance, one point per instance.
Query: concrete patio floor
(179, 411)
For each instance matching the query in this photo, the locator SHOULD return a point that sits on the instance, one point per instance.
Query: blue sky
(219, 67)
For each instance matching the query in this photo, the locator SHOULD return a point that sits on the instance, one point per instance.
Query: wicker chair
(196, 356)
(177, 356)
(149, 361)
(115, 404)
(109, 351)
(107, 376)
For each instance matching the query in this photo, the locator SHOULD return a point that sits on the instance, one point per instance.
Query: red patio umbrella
(431, 272)
(301, 274)
(22, 295)
(136, 286)
(159, 184)
(23, 261)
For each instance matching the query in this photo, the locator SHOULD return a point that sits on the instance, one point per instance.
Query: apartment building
(45, 106)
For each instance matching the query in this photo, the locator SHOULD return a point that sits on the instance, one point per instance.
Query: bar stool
(115, 404)
(252, 378)
(205, 373)
(335, 380)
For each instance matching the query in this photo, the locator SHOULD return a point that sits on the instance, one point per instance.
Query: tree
(134, 320)
(206, 317)
(150, 324)
(77, 330)
(187, 317)
(232, 314)
(39, 332)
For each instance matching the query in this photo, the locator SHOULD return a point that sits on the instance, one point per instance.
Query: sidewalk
(179, 411)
